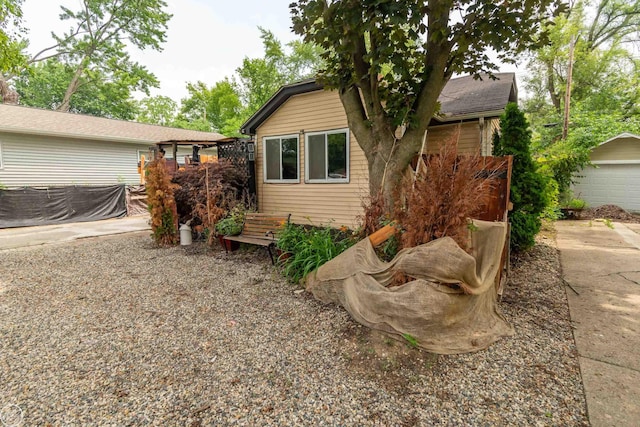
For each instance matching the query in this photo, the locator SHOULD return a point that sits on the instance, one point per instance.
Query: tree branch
(357, 117)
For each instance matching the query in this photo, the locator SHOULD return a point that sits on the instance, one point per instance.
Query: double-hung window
(281, 158)
(327, 156)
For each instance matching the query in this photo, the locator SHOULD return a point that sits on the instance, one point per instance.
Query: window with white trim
(327, 156)
(281, 158)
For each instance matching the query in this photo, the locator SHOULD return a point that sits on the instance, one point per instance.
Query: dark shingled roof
(462, 98)
(466, 95)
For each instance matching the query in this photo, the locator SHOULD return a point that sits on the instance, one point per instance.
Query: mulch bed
(612, 212)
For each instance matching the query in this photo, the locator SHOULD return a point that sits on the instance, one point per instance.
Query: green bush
(552, 211)
(577, 204)
(528, 186)
(232, 224)
(228, 227)
(307, 248)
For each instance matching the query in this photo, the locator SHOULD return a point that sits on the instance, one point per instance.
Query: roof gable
(462, 98)
(623, 135)
(36, 121)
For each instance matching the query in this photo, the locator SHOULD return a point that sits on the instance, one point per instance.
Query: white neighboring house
(43, 148)
(615, 179)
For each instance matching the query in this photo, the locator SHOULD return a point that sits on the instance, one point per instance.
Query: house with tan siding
(309, 164)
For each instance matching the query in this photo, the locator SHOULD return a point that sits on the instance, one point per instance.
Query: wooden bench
(261, 229)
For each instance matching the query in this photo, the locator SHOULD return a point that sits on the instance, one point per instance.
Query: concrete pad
(606, 318)
(610, 390)
(633, 227)
(628, 234)
(603, 265)
(13, 238)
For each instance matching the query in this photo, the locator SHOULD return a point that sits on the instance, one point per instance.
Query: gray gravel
(113, 331)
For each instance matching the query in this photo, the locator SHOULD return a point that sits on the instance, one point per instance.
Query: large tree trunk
(7, 95)
(387, 157)
(72, 88)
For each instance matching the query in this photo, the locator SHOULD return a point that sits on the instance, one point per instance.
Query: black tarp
(23, 207)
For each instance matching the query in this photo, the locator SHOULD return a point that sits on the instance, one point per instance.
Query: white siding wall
(32, 161)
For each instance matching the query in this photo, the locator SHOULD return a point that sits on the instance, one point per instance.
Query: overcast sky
(206, 39)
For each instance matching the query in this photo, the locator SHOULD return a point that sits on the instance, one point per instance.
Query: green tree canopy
(11, 44)
(604, 91)
(229, 102)
(95, 46)
(218, 105)
(44, 85)
(158, 110)
(260, 78)
(390, 60)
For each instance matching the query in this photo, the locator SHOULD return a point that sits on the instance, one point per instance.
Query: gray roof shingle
(27, 120)
(466, 95)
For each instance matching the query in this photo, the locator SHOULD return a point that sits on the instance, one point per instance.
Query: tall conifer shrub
(527, 184)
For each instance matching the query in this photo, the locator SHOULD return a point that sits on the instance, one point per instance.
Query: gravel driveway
(113, 331)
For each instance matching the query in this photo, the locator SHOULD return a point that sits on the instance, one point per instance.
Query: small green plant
(608, 223)
(411, 340)
(576, 204)
(228, 227)
(390, 248)
(309, 248)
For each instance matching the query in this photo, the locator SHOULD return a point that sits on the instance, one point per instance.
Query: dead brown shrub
(208, 192)
(162, 204)
(449, 189)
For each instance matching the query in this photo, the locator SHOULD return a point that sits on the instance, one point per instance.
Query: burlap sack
(443, 319)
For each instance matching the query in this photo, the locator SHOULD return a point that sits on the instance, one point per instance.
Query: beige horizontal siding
(336, 204)
(468, 138)
(339, 203)
(619, 149)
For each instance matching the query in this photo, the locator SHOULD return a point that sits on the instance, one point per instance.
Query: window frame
(1, 159)
(264, 159)
(327, 180)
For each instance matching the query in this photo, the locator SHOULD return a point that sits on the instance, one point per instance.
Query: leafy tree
(260, 78)
(604, 94)
(157, 110)
(390, 60)
(95, 45)
(527, 184)
(224, 106)
(44, 85)
(218, 105)
(604, 71)
(11, 43)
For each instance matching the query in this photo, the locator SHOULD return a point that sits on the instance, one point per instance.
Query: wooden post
(142, 169)
(175, 154)
(567, 95)
(382, 235)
